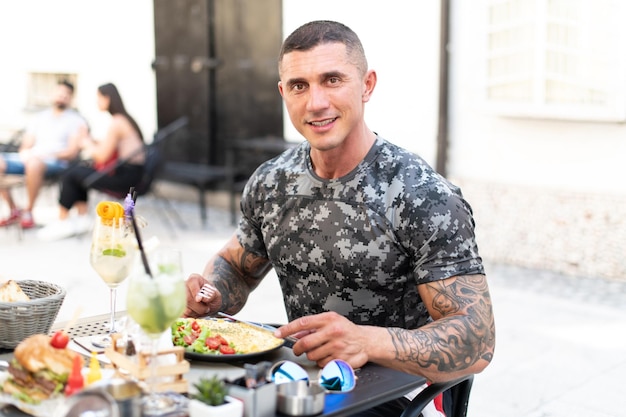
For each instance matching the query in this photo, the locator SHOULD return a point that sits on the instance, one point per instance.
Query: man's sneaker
(27, 220)
(13, 218)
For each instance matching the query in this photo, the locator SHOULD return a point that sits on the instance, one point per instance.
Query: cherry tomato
(221, 339)
(60, 340)
(212, 343)
(195, 326)
(226, 350)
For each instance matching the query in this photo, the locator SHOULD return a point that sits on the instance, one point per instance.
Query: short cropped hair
(67, 84)
(319, 32)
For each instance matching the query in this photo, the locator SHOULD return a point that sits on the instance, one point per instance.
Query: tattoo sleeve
(462, 333)
(235, 273)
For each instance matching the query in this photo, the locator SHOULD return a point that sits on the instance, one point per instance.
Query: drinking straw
(144, 259)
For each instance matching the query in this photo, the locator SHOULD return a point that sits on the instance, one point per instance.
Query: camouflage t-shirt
(358, 245)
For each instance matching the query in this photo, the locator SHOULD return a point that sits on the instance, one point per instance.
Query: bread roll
(35, 354)
(10, 292)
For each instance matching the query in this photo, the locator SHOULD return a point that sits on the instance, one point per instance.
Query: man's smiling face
(324, 94)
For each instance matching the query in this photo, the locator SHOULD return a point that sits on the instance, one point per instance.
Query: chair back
(458, 391)
(153, 160)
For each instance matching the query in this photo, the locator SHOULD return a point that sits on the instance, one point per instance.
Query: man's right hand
(197, 305)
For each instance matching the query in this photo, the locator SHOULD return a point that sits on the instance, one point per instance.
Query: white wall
(572, 155)
(401, 42)
(110, 41)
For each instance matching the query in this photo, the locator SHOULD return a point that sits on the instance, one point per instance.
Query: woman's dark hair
(116, 105)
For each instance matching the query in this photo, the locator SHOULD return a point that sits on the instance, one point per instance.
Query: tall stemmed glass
(156, 298)
(113, 251)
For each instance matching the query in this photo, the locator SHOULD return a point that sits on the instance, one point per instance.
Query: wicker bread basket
(21, 319)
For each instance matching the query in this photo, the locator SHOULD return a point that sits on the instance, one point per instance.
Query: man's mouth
(322, 123)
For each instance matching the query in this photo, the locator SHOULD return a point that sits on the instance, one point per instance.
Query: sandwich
(38, 370)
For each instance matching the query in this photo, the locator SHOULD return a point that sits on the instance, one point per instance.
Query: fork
(207, 291)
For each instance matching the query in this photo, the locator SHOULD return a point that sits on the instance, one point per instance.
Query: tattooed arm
(458, 342)
(234, 273)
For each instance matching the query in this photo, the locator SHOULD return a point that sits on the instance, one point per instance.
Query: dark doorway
(216, 63)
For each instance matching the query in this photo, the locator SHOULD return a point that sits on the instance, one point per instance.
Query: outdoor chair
(459, 392)
(13, 144)
(154, 162)
(200, 176)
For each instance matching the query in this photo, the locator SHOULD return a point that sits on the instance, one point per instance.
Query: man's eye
(298, 87)
(333, 80)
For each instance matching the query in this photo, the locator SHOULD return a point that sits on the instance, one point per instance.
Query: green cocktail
(155, 302)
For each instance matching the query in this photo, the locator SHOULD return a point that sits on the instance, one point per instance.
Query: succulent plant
(210, 391)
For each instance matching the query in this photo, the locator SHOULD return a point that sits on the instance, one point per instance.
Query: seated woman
(122, 140)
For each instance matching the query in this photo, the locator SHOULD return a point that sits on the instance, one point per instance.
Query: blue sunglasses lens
(337, 376)
(287, 372)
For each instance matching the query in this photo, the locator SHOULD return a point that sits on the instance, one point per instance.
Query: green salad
(197, 336)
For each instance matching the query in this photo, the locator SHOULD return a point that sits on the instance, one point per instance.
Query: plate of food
(222, 340)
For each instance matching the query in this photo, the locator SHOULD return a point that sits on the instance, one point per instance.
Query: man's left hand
(327, 336)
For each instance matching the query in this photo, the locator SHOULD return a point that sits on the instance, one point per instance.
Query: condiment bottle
(94, 374)
(75, 381)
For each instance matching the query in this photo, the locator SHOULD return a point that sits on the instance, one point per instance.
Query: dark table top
(375, 384)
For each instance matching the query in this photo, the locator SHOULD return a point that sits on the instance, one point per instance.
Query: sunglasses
(336, 377)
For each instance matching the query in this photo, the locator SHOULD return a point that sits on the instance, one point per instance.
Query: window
(41, 87)
(557, 59)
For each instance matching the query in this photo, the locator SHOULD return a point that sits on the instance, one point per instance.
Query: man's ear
(369, 83)
(280, 89)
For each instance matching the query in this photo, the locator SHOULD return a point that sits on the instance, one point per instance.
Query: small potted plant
(211, 400)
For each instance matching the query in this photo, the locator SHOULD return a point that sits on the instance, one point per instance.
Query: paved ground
(561, 341)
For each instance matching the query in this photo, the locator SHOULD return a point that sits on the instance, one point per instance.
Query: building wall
(102, 41)
(548, 193)
(490, 145)
(575, 233)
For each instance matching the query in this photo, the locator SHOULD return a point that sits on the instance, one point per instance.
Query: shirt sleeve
(441, 237)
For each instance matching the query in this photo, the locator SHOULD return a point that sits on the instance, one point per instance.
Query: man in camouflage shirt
(358, 245)
(375, 252)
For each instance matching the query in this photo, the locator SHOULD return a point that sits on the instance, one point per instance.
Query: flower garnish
(129, 206)
(110, 212)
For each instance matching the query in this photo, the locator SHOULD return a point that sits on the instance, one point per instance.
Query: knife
(288, 341)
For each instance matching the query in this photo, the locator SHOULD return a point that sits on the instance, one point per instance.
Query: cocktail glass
(112, 256)
(154, 303)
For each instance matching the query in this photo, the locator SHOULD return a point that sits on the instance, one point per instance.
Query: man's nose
(318, 98)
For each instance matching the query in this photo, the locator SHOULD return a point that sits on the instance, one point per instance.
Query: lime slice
(119, 253)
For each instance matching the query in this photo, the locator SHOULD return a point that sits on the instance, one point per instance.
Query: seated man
(375, 252)
(49, 143)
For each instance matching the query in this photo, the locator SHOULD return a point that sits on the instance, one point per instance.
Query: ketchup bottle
(75, 381)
